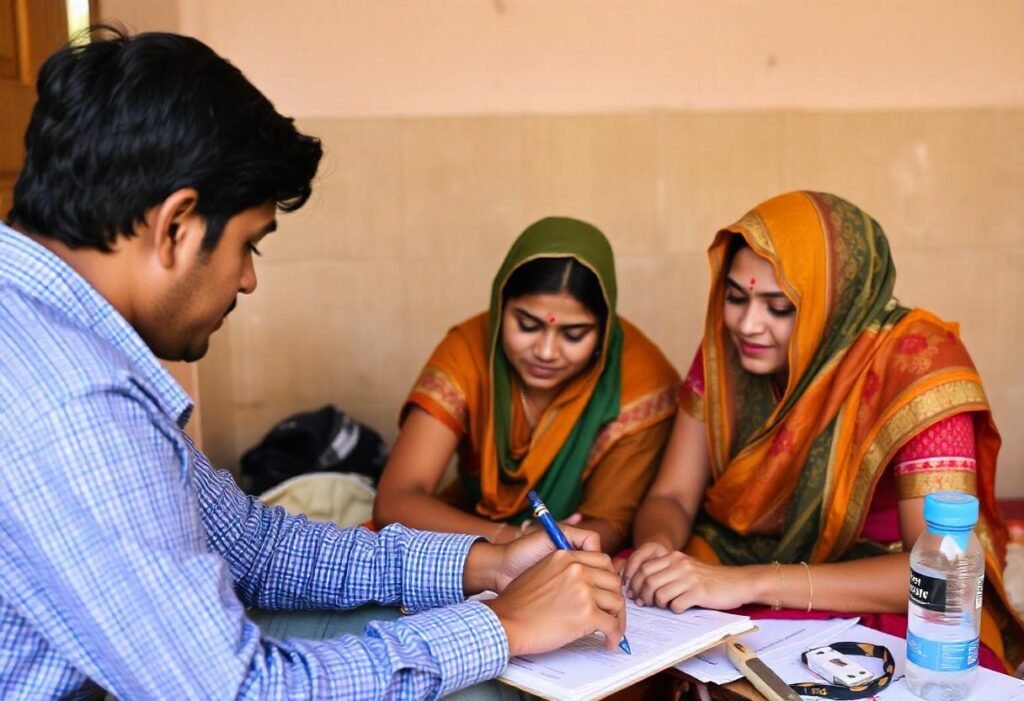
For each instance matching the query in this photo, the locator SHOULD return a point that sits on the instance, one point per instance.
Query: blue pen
(541, 513)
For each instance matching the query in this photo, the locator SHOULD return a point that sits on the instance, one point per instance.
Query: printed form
(658, 638)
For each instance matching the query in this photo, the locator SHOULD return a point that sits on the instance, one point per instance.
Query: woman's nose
(752, 321)
(547, 346)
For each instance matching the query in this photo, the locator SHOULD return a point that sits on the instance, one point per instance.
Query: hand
(677, 581)
(647, 551)
(530, 525)
(525, 552)
(567, 595)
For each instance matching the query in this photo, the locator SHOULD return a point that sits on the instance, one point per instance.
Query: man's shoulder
(49, 359)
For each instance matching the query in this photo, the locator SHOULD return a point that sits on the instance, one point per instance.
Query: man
(153, 170)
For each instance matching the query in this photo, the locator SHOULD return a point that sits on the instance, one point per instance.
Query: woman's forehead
(543, 305)
(751, 270)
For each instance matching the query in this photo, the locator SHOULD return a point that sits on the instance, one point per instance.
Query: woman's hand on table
(676, 581)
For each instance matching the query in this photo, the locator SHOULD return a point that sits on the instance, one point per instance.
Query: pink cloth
(946, 445)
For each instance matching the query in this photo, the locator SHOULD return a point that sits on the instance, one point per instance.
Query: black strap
(834, 691)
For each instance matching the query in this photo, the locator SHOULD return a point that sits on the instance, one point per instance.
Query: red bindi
(551, 318)
(752, 283)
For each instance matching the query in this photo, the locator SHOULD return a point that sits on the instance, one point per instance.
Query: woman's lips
(753, 350)
(541, 372)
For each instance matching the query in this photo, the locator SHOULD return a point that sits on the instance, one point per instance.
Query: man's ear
(176, 228)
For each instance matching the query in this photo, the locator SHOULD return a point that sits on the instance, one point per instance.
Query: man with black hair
(153, 170)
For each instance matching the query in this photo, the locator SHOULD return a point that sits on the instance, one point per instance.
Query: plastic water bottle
(947, 572)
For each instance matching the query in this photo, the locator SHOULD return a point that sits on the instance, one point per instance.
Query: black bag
(325, 440)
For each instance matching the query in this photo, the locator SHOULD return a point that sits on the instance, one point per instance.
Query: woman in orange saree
(816, 417)
(549, 391)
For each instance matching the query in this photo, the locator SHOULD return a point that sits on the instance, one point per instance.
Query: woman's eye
(735, 299)
(527, 327)
(783, 311)
(253, 250)
(575, 337)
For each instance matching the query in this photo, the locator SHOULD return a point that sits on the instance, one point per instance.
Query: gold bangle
(810, 587)
(777, 569)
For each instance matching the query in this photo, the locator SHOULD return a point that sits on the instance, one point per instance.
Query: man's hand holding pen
(548, 598)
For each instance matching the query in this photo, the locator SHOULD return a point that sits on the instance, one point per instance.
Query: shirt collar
(42, 275)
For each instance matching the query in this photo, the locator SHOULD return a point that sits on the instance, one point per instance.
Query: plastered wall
(450, 126)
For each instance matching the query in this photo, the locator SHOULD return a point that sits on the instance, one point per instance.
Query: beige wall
(427, 57)
(451, 125)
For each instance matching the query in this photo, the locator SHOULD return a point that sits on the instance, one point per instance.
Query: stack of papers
(777, 642)
(658, 638)
(780, 642)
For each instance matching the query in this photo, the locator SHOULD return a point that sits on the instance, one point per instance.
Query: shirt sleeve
(284, 562)
(106, 555)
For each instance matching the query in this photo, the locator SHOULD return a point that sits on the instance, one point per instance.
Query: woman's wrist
(768, 584)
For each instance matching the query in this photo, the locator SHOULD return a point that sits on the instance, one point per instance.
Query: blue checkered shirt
(126, 561)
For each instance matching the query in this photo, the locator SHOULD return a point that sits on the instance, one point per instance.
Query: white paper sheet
(774, 642)
(990, 685)
(584, 669)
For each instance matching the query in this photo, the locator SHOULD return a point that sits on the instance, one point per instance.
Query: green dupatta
(560, 485)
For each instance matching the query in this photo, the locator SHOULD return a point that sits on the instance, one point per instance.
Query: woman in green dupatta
(550, 390)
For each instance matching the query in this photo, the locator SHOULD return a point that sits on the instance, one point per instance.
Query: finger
(611, 604)
(638, 557)
(633, 562)
(607, 616)
(661, 578)
(629, 566)
(638, 584)
(583, 540)
(684, 601)
(666, 592)
(634, 585)
(537, 541)
(605, 579)
(619, 564)
(612, 624)
(572, 520)
(596, 560)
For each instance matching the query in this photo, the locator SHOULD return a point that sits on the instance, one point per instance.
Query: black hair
(554, 275)
(124, 121)
(736, 244)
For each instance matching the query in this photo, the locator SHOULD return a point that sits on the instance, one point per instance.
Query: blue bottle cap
(951, 510)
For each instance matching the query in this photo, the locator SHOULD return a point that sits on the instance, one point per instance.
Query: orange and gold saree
(596, 448)
(794, 470)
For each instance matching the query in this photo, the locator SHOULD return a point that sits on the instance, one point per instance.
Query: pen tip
(624, 646)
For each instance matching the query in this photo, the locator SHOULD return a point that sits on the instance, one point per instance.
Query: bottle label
(942, 656)
(981, 587)
(927, 592)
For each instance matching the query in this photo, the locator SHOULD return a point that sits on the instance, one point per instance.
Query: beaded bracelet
(777, 569)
